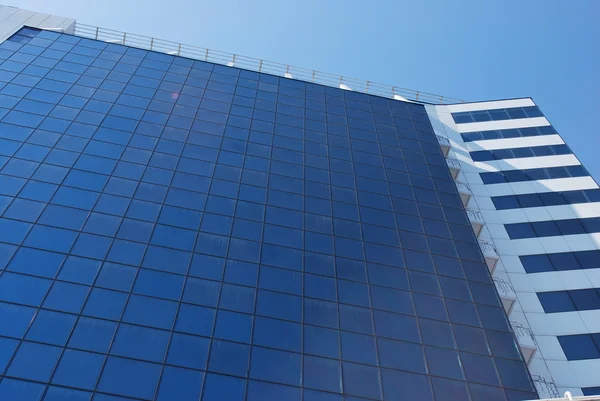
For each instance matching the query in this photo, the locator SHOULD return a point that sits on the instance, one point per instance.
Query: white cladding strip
(491, 105)
(511, 143)
(527, 163)
(556, 281)
(544, 213)
(575, 373)
(503, 124)
(527, 187)
(558, 244)
(558, 324)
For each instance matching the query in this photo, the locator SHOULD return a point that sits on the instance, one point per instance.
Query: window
(129, 378)
(229, 358)
(500, 154)
(361, 380)
(235, 326)
(553, 228)
(572, 300)
(34, 361)
(547, 199)
(533, 174)
(580, 346)
(496, 114)
(188, 351)
(179, 383)
(51, 327)
(275, 366)
(322, 374)
(140, 343)
(78, 369)
(397, 384)
(591, 390)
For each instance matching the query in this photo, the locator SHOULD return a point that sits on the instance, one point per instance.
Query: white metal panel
(575, 373)
(550, 348)
(510, 143)
(528, 163)
(491, 105)
(503, 124)
(556, 324)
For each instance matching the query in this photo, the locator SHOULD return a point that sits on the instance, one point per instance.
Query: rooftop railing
(259, 65)
(546, 388)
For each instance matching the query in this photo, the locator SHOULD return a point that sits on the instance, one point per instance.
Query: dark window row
(552, 228)
(517, 153)
(581, 346)
(561, 261)
(497, 114)
(591, 390)
(533, 174)
(569, 301)
(546, 199)
(508, 133)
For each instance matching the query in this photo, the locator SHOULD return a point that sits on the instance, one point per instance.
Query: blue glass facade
(177, 230)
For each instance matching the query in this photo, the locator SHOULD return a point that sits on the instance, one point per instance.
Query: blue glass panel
(174, 229)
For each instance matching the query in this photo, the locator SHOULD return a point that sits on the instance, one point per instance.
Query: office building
(178, 224)
(537, 212)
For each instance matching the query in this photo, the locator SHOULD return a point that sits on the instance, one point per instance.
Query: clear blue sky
(467, 49)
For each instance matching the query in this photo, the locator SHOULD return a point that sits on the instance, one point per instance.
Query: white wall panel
(550, 348)
(575, 373)
(556, 324)
(581, 242)
(527, 187)
(527, 163)
(503, 124)
(495, 104)
(594, 277)
(591, 319)
(510, 143)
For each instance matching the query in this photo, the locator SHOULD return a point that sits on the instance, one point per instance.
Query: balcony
(545, 388)
(476, 218)
(526, 341)
(454, 166)
(444, 144)
(464, 191)
(507, 294)
(490, 254)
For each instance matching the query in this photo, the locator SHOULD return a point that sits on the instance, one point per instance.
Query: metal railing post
(110, 36)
